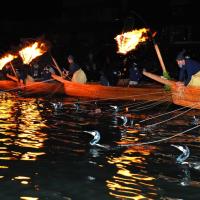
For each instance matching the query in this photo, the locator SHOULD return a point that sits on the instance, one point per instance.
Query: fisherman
(189, 74)
(48, 70)
(110, 71)
(6, 70)
(103, 79)
(91, 69)
(134, 75)
(35, 70)
(112, 75)
(23, 73)
(75, 72)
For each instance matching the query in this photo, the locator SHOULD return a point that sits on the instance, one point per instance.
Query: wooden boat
(96, 91)
(7, 85)
(188, 96)
(32, 88)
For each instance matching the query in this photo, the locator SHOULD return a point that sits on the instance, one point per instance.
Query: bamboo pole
(12, 78)
(159, 56)
(56, 65)
(157, 49)
(165, 73)
(159, 79)
(14, 71)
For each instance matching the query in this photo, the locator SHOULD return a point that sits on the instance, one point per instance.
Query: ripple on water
(46, 154)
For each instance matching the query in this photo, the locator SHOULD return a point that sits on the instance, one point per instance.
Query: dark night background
(83, 26)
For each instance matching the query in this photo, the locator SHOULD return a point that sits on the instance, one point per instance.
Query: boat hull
(43, 89)
(107, 92)
(32, 88)
(7, 85)
(188, 96)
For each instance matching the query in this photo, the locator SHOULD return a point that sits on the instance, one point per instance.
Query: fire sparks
(6, 59)
(32, 51)
(129, 40)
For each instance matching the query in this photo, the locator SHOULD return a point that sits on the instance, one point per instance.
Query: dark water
(44, 154)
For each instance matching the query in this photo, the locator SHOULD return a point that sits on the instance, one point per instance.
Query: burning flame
(32, 51)
(6, 59)
(129, 40)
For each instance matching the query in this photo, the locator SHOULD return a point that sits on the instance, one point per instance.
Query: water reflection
(21, 138)
(131, 180)
(71, 163)
(6, 115)
(23, 179)
(21, 125)
(30, 135)
(29, 198)
(7, 122)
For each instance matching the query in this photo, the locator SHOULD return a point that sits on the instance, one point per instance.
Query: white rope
(141, 103)
(171, 117)
(150, 105)
(144, 120)
(160, 140)
(142, 108)
(110, 109)
(119, 98)
(138, 104)
(98, 100)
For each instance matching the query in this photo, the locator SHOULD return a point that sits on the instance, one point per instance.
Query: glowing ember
(32, 51)
(6, 59)
(129, 40)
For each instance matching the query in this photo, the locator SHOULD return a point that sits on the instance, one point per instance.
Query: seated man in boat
(35, 70)
(48, 70)
(103, 79)
(189, 70)
(75, 73)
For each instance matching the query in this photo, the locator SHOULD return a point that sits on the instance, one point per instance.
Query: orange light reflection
(30, 135)
(126, 183)
(28, 125)
(29, 198)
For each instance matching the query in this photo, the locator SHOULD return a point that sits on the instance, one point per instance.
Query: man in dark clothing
(134, 75)
(48, 70)
(73, 67)
(112, 76)
(75, 73)
(103, 79)
(91, 69)
(188, 68)
(23, 73)
(6, 70)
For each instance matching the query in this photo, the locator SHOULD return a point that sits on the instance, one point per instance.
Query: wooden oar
(159, 79)
(14, 71)
(58, 78)
(12, 77)
(56, 65)
(157, 49)
(159, 56)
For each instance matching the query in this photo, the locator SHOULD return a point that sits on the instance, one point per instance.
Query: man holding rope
(75, 73)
